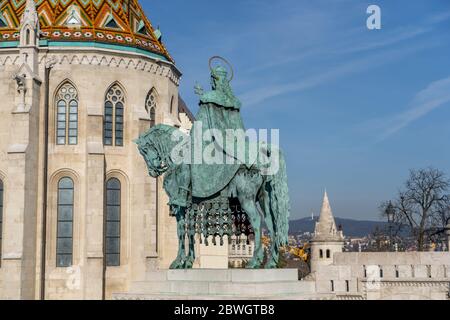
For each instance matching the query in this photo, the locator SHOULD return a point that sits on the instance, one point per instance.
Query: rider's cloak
(211, 176)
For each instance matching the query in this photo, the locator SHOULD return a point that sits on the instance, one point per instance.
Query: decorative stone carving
(127, 63)
(50, 62)
(164, 70)
(21, 90)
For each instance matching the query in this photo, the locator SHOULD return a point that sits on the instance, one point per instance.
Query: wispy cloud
(349, 42)
(393, 38)
(269, 91)
(435, 95)
(350, 49)
(439, 17)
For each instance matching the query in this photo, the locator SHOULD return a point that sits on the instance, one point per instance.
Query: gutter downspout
(104, 233)
(48, 66)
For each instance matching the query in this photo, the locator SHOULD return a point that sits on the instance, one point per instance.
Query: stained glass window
(67, 115)
(150, 106)
(113, 123)
(113, 212)
(64, 237)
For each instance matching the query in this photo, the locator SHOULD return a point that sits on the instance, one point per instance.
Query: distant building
(241, 250)
(373, 275)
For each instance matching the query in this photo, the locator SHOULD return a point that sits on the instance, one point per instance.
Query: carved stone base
(220, 284)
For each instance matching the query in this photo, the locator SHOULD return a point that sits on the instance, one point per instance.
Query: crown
(220, 71)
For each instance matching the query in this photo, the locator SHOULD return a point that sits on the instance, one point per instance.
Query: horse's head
(154, 146)
(152, 158)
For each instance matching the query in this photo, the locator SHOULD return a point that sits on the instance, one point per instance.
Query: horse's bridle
(163, 166)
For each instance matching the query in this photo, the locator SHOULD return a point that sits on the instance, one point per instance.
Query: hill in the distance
(352, 228)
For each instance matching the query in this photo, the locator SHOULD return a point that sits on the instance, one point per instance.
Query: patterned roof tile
(121, 22)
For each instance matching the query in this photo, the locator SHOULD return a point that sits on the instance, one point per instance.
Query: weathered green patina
(224, 194)
(220, 111)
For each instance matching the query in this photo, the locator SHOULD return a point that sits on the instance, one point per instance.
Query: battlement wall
(386, 274)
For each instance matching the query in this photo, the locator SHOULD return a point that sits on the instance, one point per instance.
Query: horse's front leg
(273, 254)
(179, 262)
(191, 254)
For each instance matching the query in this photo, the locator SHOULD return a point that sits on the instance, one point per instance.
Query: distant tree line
(422, 206)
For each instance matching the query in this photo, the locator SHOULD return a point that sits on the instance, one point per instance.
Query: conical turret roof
(326, 226)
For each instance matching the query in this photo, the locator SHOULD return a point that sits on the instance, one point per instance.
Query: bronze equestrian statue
(230, 190)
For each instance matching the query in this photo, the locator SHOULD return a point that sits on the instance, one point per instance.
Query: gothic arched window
(171, 105)
(27, 37)
(150, 106)
(321, 253)
(328, 254)
(113, 121)
(64, 237)
(67, 115)
(1, 218)
(113, 212)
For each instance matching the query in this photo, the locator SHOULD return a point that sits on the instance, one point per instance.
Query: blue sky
(356, 108)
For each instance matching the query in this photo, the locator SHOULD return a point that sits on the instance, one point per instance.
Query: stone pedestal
(220, 284)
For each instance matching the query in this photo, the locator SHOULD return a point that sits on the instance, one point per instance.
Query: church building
(80, 80)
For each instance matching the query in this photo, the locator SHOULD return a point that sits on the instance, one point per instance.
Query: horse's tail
(279, 203)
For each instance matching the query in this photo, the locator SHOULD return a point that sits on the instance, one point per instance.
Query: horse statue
(219, 198)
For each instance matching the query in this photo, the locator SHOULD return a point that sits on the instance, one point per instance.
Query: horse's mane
(160, 137)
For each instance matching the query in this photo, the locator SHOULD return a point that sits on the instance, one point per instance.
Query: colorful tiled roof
(118, 22)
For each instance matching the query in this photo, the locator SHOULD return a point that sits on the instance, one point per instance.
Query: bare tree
(423, 205)
(379, 241)
(440, 221)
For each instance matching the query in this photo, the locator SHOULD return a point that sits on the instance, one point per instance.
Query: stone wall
(386, 275)
(322, 253)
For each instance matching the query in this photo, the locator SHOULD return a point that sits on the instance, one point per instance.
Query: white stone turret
(327, 239)
(23, 161)
(26, 76)
(29, 26)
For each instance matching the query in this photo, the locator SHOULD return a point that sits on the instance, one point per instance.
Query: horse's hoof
(188, 264)
(177, 264)
(271, 265)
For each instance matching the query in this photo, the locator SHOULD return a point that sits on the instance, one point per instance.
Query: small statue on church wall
(21, 89)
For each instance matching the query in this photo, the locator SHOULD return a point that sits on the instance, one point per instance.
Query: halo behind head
(211, 60)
